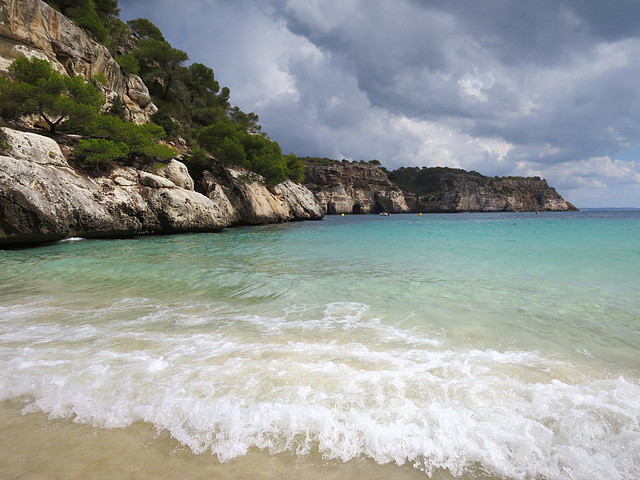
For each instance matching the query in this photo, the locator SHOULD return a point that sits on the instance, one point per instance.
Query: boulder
(300, 201)
(155, 181)
(34, 148)
(250, 202)
(43, 199)
(178, 173)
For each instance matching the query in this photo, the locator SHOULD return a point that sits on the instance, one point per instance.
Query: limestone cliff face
(32, 28)
(349, 187)
(43, 199)
(457, 191)
(354, 188)
(247, 201)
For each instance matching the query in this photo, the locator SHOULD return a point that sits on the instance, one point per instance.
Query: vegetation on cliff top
(190, 102)
(324, 161)
(192, 105)
(427, 180)
(431, 180)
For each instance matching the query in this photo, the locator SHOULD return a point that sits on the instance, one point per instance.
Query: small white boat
(385, 214)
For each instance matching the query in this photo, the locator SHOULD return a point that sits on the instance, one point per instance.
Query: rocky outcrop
(246, 200)
(32, 28)
(455, 190)
(348, 199)
(349, 187)
(43, 199)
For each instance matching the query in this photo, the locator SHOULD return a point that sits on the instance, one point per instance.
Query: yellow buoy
(342, 215)
(420, 214)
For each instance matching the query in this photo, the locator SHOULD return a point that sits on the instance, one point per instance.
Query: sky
(547, 88)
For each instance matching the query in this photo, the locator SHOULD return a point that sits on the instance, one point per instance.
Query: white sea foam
(71, 239)
(308, 381)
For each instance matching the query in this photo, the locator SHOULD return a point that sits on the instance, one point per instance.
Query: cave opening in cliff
(357, 208)
(377, 208)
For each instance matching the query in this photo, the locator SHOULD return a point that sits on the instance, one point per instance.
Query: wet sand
(32, 447)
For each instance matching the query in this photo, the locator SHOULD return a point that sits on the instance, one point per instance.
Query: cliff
(349, 187)
(31, 28)
(245, 200)
(43, 199)
(450, 190)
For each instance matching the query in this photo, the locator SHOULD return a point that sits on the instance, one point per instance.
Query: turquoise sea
(473, 346)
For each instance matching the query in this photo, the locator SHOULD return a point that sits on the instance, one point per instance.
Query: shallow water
(451, 346)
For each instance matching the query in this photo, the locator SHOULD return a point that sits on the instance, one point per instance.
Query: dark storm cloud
(500, 86)
(409, 57)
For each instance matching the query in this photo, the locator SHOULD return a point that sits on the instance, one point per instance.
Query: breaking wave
(329, 379)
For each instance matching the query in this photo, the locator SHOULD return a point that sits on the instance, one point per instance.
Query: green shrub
(158, 151)
(5, 146)
(118, 108)
(129, 64)
(140, 139)
(101, 78)
(143, 28)
(165, 121)
(231, 144)
(197, 162)
(296, 168)
(96, 153)
(38, 88)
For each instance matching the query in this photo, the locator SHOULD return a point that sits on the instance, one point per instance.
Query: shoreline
(35, 446)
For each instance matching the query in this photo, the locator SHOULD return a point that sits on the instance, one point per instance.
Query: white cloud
(591, 180)
(473, 86)
(604, 169)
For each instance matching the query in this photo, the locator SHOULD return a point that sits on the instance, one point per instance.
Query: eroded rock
(354, 188)
(43, 199)
(46, 201)
(350, 187)
(249, 201)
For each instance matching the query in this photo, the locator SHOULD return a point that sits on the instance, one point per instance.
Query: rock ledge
(43, 199)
